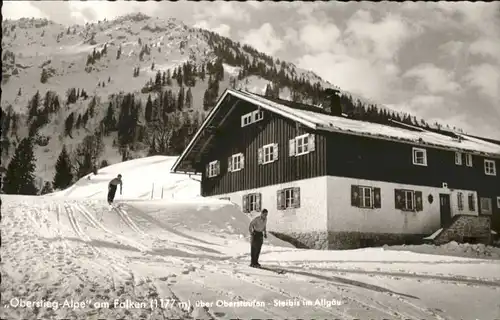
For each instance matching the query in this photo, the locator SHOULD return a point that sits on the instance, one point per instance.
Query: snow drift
(145, 178)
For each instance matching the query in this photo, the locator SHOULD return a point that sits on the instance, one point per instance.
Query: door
(445, 209)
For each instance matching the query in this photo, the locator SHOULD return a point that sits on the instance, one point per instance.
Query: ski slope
(68, 256)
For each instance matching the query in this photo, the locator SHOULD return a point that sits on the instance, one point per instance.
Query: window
(268, 153)
(468, 160)
(458, 158)
(365, 197)
(419, 157)
(246, 119)
(486, 206)
(460, 201)
(252, 202)
(288, 198)
(490, 168)
(236, 162)
(213, 169)
(225, 198)
(408, 200)
(498, 202)
(472, 202)
(408, 203)
(252, 117)
(301, 145)
(258, 115)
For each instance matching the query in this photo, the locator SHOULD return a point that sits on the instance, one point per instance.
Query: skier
(257, 230)
(112, 185)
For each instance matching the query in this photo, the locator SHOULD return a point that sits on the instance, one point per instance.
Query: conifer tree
(189, 99)
(44, 76)
(20, 175)
(149, 109)
(64, 175)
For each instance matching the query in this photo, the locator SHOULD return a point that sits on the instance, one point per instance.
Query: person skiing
(112, 185)
(257, 230)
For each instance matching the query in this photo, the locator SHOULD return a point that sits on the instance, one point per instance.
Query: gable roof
(319, 120)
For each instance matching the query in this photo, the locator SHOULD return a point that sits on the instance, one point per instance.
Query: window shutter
(230, 164)
(207, 170)
(245, 204)
(242, 157)
(296, 197)
(258, 202)
(280, 198)
(355, 196)
(472, 207)
(377, 201)
(419, 204)
(291, 147)
(217, 168)
(398, 199)
(275, 152)
(311, 141)
(259, 156)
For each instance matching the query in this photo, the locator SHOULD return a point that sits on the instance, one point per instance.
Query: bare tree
(159, 134)
(87, 154)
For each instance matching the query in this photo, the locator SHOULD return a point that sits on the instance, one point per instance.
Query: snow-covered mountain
(40, 55)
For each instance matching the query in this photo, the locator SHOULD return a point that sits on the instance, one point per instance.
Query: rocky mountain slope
(79, 75)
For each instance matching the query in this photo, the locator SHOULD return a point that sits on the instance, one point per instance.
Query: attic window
(246, 119)
(252, 117)
(258, 115)
(419, 157)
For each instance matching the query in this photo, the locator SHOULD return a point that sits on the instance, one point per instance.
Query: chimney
(332, 102)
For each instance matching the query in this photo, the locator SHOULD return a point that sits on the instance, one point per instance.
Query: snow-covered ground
(67, 255)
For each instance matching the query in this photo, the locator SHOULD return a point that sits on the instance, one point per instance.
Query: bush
(104, 163)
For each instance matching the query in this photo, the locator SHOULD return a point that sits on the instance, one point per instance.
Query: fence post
(152, 190)
(162, 191)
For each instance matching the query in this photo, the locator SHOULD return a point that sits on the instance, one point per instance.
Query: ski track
(354, 296)
(423, 277)
(383, 307)
(213, 289)
(144, 249)
(254, 281)
(395, 295)
(114, 263)
(126, 218)
(96, 224)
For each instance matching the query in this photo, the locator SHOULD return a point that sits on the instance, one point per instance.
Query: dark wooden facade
(380, 160)
(273, 128)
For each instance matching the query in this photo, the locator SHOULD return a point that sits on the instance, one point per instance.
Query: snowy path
(55, 250)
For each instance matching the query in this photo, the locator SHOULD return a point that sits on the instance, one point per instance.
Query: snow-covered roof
(325, 122)
(320, 121)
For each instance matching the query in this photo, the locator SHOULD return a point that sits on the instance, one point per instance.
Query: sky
(439, 61)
